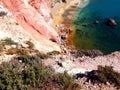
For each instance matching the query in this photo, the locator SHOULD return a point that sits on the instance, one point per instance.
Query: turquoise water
(102, 37)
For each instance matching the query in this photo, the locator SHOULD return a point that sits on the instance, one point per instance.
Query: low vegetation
(1, 46)
(104, 75)
(28, 73)
(30, 44)
(65, 82)
(8, 41)
(19, 51)
(53, 53)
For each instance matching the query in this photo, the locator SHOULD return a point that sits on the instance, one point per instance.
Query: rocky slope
(80, 65)
(35, 20)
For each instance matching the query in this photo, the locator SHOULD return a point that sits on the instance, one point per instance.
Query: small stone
(13, 46)
(94, 86)
(25, 45)
(20, 61)
(61, 58)
(96, 22)
(16, 23)
(111, 22)
(64, 36)
(108, 83)
(60, 64)
(7, 47)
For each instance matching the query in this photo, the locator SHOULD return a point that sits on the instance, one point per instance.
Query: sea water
(98, 36)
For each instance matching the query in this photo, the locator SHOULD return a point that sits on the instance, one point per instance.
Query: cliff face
(43, 7)
(34, 17)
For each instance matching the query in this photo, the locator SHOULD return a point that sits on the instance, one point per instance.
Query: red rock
(29, 18)
(43, 7)
(33, 19)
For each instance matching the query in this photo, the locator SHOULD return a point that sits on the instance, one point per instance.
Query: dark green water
(102, 37)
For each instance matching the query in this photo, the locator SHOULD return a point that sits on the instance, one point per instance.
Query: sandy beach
(64, 12)
(63, 15)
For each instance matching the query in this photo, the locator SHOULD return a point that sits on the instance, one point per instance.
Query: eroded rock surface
(34, 21)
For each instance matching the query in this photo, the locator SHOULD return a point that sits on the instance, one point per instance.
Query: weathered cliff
(34, 17)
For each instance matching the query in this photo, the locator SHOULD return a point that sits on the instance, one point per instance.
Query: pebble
(13, 46)
(64, 36)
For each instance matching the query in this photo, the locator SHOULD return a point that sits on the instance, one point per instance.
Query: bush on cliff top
(8, 41)
(28, 72)
(65, 82)
(104, 75)
(30, 44)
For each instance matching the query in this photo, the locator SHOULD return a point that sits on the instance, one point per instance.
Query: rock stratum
(35, 16)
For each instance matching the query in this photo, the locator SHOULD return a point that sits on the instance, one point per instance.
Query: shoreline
(67, 11)
(63, 15)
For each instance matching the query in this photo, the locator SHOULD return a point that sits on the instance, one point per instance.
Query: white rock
(13, 46)
(2, 9)
(20, 61)
(7, 47)
(25, 45)
(78, 70)
(68, 64)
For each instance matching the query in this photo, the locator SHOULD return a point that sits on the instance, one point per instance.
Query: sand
(63, 15)
(65, 12)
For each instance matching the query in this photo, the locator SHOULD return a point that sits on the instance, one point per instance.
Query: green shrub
(8, 41)
(1, 46)
(22, 51)
(65, 81)
(53, 53)
(23, 76)
(31, 45)
(42, 56)
(30, 60)
(31, 74)
(11, 78)
(106, 74)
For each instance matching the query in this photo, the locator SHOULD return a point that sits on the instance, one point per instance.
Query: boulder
(111, 22)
